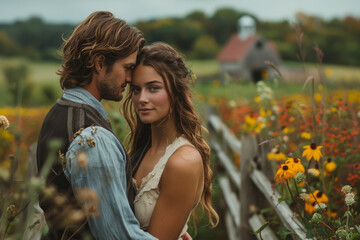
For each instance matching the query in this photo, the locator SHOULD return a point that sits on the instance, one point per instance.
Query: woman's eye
(154, 88)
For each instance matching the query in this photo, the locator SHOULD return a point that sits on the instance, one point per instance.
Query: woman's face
(149, 94)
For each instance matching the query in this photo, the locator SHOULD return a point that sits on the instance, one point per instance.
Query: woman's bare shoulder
(185, 159)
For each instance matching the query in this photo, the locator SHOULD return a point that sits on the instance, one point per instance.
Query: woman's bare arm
(180, 190)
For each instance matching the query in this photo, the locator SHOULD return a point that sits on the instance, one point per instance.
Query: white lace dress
(148, 192)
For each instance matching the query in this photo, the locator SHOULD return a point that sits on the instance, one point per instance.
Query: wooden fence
(247, 190)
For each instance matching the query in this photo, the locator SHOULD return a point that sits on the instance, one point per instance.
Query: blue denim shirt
(104, 172)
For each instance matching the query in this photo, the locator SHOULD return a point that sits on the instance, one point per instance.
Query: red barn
(244, 55)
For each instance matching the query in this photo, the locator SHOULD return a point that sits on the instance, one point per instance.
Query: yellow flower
(330, 166)
(277, 156)
(257, 99)
(320, 196)
(310, 207)
(262, 112)
(296, 164)
(317, 97)
(250, 120)
(312, 151)
(284, 173)
(305, 135)
(328, 72)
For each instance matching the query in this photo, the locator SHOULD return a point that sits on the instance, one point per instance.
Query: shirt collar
(80, 95)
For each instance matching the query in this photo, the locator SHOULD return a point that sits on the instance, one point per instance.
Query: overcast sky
(74, 11)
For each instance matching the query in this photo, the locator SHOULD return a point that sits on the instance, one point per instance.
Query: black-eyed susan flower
(320, 196)
(310, 207)
(276, 155)
(284, 173)
(330, 166)
(297, 164)
(312, 151)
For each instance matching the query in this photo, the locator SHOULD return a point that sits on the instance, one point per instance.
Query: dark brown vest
(63, 120)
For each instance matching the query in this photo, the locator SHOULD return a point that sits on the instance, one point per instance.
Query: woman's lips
(145, 110)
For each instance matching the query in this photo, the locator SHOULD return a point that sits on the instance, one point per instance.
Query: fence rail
(247, 190)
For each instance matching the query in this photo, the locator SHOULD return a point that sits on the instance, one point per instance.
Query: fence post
(249, 193)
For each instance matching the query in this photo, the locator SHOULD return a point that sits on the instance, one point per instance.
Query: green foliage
(17, 83)
(49, 92)
(7, 45)
(205, 47)
(284, 233)
(338, 38)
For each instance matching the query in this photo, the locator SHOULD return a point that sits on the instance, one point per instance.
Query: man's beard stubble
(110, 92)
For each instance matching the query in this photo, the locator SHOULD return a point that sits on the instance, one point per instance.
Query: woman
(172, 173)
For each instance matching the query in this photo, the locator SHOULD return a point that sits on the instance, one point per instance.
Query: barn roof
(236, 49)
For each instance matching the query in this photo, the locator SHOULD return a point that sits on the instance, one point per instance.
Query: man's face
(112, 80)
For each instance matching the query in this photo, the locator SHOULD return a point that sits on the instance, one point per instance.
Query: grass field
(44, 73)
(39, 72)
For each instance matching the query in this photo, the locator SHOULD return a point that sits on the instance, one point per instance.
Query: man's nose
(128, 77)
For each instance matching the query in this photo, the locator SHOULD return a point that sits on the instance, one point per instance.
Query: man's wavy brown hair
(169, 64)
(100, 34)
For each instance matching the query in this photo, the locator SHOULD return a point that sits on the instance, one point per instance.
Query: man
(91, 176)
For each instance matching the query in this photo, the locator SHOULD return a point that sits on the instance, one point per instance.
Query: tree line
(200, 36)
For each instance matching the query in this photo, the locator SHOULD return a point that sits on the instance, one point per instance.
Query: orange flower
(320, 197)
(285, 172)
(312, 151)
(309, 207)
(296, 164)
(330, 166)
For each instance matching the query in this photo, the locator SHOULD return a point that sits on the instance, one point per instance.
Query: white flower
(320, 206)
(349, 199)
(346, 189)
(4, 123)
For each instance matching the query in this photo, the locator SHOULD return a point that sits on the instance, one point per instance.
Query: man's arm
(96, 171)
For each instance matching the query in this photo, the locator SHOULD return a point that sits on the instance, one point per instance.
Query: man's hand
(186, 236)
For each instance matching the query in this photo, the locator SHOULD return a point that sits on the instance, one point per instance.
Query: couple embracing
(150, 191)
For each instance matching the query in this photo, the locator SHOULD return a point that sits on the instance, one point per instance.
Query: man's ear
(99, 63)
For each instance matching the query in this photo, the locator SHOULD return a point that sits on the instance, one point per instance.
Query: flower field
(24, 128)
(315, 152)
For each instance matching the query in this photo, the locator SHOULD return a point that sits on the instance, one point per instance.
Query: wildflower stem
(321, 209)
(77, 230)
(347, 220)
(325, 225)
(308, 167)
(293, 199)
(297, 191)
(313, 107)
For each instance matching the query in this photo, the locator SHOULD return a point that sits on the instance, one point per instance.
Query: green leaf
(262, 228)
(280, 200)
(265, 210)
(283, 232)
(357, 228)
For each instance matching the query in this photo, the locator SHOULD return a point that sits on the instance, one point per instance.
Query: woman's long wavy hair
(100, 34)
(177, 77)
